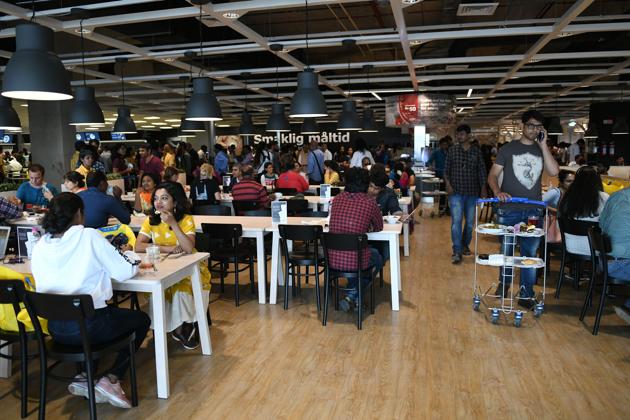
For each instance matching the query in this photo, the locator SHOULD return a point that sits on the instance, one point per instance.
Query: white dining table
(169, 272)
(253, 227)
(390, 233)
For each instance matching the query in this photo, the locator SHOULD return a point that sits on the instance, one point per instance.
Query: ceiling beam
(401, 26)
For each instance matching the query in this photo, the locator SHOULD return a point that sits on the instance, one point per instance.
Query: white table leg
(200, 311)
(394, 265)
(261, 267)
(5, 364)
(159, 337)
(405, 209)
(275, 262)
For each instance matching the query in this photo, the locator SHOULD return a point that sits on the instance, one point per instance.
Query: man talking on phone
(521, 163)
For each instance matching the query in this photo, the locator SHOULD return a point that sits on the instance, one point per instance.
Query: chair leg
(236, 291)
(135, 304)
(589, 295)
(600, 309)
(326, 293)
(317, 296)
(251, 275)
(42, 383)
(372, 296)
(222, 276)
(381, 276)
(561, 274)
(90, 386)
(24, 376)
(336, 293)
(295, 279)
(360, 303)
(287, 266)
(132, 373)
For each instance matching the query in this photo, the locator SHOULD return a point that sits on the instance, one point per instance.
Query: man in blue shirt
(438, 157)
(221, 160)
(315, 164)
(35, 192)
(99, 206)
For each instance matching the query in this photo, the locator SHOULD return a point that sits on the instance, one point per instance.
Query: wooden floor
(436, 358)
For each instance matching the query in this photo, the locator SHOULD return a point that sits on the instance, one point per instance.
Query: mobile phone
(541, 136)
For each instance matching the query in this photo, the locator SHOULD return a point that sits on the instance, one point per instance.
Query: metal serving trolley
(507, 263)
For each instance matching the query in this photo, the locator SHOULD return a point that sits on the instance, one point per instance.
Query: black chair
(600, 247)
(11, 293)
(356, 243)
(296, 207)
(577, 228)
(309, 255)
(314, 214)
(286, 191)
(241, 206)
(75, 308)
(226, 248)
(259, 213)
(212, 210)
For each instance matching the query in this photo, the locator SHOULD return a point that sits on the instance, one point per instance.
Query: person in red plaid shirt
(354, 211)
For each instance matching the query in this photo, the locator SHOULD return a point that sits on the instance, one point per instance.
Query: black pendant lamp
(555, 128)
(348, 119)
(620, 127)
(9, 119)
(203, 104)
(307, 101)
(368, 125)
(310, 126)
(186, 126)
(247, 126)
(85, 110)
(124, 123)
(34, 71)
(277, 120)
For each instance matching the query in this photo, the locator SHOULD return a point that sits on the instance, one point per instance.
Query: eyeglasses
(534, 126)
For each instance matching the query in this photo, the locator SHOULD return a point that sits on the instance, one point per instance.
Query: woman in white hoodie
(71, 259)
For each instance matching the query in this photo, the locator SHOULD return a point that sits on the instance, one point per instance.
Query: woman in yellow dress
(331, 172)
(172, 228)
(168, 157)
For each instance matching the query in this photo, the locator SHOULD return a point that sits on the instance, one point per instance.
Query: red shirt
(250, 190)
(153, 166)
(291, 179)
(353, 213)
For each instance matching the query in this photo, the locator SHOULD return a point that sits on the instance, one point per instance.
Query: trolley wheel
(432, 214)
(518, 318)
(538, 310)
(476, 303)
(495, 316)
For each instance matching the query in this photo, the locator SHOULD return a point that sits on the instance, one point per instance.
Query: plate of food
(529, 261)
(492, 228)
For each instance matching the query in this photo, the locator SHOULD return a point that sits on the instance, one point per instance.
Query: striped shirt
(250, 190)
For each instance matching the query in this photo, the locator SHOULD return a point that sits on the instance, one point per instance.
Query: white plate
(484, 228)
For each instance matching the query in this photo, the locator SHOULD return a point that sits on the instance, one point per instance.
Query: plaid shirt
(465, 170)
(250, 190)
(353, 213)
(8, 210)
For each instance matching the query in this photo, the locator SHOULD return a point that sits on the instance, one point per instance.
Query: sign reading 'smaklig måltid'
(300, 139)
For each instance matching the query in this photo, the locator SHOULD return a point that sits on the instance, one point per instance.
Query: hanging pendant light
(124, 123)
(309, 126)
(555, 128)
(185, 126)
(348, 119)
(34, 71)
(621, 123)
(9, 119)
(247, 127)
(277, 120)
(203, 104)
(85, 110)
(307, 101)
(368, 125)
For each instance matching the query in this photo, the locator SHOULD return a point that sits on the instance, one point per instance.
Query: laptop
(4, 240)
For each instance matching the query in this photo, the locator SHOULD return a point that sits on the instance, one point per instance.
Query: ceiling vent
(477, 9)
(456, 67)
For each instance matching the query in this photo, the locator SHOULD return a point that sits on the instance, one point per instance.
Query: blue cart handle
(512, 200)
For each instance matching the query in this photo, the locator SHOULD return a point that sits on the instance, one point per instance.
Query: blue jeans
(461, 206)
(106, 325)
(376, 263)
(529, 245)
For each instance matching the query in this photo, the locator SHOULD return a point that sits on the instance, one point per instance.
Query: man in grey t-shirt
(522, 163)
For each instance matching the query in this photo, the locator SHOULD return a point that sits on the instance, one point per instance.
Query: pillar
(52, 138)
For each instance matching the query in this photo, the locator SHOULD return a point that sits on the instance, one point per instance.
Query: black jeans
(106, 325)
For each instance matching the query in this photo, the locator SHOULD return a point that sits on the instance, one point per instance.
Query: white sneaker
(79, 388)
(113, 393)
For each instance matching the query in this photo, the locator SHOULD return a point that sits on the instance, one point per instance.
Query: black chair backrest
(286, 191)
(259, 213)
(222, 235)
(241, 206)
(300, 232)
(349, 242)
(212, 210)
(575, 227)
(296, 206)
(12, 293)
(314, 214)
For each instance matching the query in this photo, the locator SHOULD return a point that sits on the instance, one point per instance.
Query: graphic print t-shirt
(522, 169)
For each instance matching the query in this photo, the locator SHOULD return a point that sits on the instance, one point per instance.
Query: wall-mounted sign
(430, 110)
(299, 139)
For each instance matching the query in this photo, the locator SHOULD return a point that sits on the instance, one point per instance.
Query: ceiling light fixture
(9, 119)
(203, 104)
(469, 93)
(277, 120)
(231, 15)
(124, 123)
(187, 126)
(307, 101)
(309, 126)
(410, 2)
(247, 127)
(85, 109)
(348, 119)
(34, 71)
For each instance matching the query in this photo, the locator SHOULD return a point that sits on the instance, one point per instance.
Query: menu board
(413, 109)
(279, 212)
